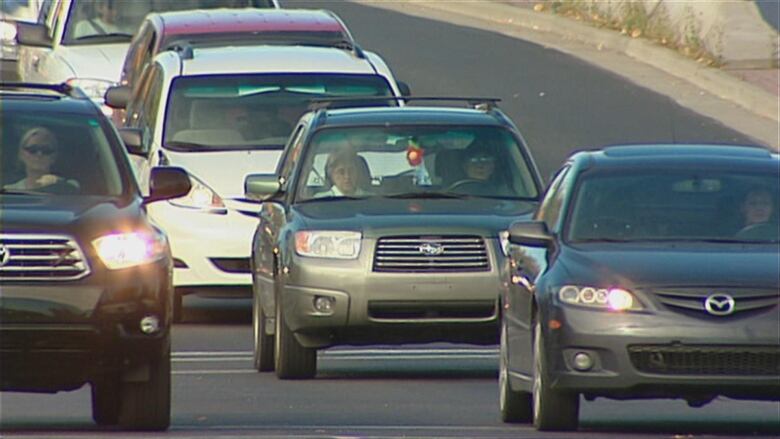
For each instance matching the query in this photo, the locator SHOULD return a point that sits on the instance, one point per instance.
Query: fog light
(582, 361)
(150, 324)
(324, 304)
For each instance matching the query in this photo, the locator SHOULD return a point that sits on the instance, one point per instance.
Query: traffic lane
(560, 103)
(422, 392)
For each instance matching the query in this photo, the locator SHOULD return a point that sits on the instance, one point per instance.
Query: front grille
(41, 257)
(420, 309)
(693, 299)
(431, 254)
(706, 360)
(232, 265)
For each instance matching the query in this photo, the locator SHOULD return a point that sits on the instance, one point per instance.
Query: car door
(530, 263)
(274, 216)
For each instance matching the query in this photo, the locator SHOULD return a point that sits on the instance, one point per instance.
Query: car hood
(99, 61)
(83, 216)
(225, 171)
(377, 217)
(658, 266)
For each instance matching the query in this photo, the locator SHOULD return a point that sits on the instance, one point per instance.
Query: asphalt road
(561, 105)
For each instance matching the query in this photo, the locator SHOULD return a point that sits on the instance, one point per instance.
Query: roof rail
(478, 103)
(61, 88)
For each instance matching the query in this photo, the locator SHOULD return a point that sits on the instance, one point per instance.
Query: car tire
(105, 401)
(264, 343)
(146, 406)
(553, 410)
(292, 361)
(514, 405)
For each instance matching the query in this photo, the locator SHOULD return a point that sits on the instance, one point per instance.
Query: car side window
(294, 152)
(135, 54)
(550, 209)
(52, 18)
(138, 96)
(151, 102)
(142, 55)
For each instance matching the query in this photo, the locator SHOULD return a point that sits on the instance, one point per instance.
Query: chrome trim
(46, 264)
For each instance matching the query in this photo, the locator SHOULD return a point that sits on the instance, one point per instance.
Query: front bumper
(59, 335)
(666, 355)
(209, 250)
(369, 307)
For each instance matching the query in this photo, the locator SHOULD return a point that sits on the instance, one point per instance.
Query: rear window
(106, 21)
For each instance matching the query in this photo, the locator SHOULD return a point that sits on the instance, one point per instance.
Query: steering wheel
(758, 231)
(61, 187)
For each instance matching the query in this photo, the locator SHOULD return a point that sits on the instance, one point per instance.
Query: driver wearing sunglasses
(38, 153)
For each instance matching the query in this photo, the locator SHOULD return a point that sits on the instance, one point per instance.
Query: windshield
(661, 205)
(208, 113)
(107, 21)
(57, 153)
(415, 161)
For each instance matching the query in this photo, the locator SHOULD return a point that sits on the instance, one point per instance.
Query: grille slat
(706, 360)
(445, 254)
(41, 257)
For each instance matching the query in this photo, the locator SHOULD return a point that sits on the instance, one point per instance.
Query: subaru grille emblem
(5, 254)
(719, 304)
(431, 249)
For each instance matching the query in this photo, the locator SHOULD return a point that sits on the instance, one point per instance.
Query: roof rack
(479, 103)
(186, 48)
(63, 88)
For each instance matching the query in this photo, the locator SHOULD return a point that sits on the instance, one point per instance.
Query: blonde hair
(39, 131)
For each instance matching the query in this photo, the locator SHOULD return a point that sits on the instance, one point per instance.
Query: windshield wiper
(109, 35)
(427, 194)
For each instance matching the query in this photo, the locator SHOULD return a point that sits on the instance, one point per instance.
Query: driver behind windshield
(37, 156)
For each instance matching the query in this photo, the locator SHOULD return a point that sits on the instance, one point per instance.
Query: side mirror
(530, 233)
(134, 141)
(117, 96)
(404, 88)
(260, 187)
(32, 34)
(166, 182)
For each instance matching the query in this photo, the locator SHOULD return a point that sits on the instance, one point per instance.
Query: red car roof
(217, 21)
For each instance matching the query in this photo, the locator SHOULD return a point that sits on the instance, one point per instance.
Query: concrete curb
(748, 96)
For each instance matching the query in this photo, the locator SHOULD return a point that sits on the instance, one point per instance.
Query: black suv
(86, 279)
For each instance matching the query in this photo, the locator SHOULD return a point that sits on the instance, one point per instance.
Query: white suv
(83, 42)
(223, 113)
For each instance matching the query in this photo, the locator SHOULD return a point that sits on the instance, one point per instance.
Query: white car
(223, 113)
(83, 42)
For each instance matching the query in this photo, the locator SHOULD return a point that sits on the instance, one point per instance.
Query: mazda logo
(431, 249)
(719, 304)
(5, 254)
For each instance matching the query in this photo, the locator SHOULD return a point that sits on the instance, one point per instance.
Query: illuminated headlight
(95, 89)
(201, 197)
(503, 239)
(612, 299)
(123, 250)
(328, 244)
(7, 33)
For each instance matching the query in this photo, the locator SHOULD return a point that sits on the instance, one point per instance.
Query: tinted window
(413, 160)
(105, 21)
(666, 205)
(251, 111)
(58, 153)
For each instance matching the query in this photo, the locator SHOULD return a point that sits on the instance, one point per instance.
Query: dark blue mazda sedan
(648, 271)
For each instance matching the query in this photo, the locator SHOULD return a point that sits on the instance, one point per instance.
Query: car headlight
(128, 249)
(7, 33)
(328, 244)
(611, 299)
(95, 89)
(201, 197)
